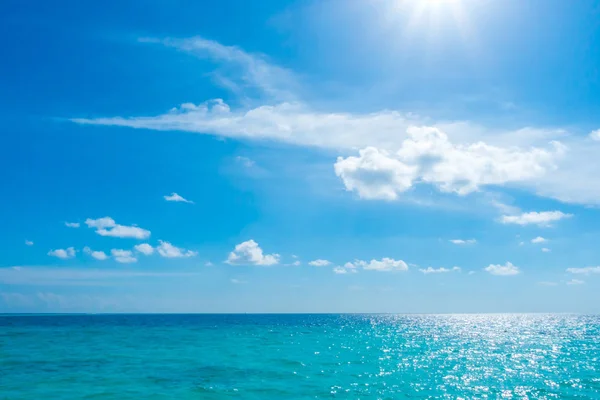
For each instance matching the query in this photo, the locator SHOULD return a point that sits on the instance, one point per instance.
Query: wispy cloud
(72, 224)
(245, 161)
(108, 227)
(177, 198)
(543, 219)
(28, 243)
(584, 271)
(249, 252)
(63, 254)
(575, 282)
(245, 74)
(319, 263)
(442, 270)
(463, 241)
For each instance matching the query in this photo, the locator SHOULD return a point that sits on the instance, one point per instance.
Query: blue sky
(313, 156)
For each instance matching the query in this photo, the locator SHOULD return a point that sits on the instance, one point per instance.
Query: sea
(346, 356)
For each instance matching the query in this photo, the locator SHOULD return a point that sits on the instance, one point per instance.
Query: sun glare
(428, 17)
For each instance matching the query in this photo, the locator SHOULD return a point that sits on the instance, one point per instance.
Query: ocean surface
(300, 357)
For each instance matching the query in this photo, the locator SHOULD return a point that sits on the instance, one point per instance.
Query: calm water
(299, 357)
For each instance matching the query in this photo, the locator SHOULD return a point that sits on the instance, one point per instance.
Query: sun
(428, 16)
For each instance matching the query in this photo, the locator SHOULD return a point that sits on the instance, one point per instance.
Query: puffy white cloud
(28, 243)
(442, 270)
(463, 241)
(177, 198)
(63, 253)
(544, 218)
(375, 175)
(539, 239)
(166, 249)
(319, 263)
(108, 227)
(575, 282)
(72, 224)
(428, 156)
(98, 255)
(100, 223)
(249, 252)
(546, 250)
(595, 135)
(507, 269)
(123, 256)
(584, 271)
(144, 248)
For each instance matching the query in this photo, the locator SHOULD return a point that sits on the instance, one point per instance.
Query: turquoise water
(300, 357)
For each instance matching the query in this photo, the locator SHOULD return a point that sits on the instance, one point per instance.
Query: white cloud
(144, 248)
(123, 256)
(28, 243)
(296, 263)
(166, 249)
(428, 156)
(375, 175)
(503, 270)
(383, 265)
(462, 241)
(544, 218)
(208, 264)
(546, 250)
(100, 223)
(238, 281)
(546, 283)
(575, 282)
(442, 270)
(72, 224)
(476, 157)
(63, 253)
(245, 161)
(595, 135)
(584, 271)
(249, 252)
(539, 239)
(472, 273)
(108, 227)
(251, 72)
(319, 263)
(177, 198)
(340, 270)
(98, 255)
